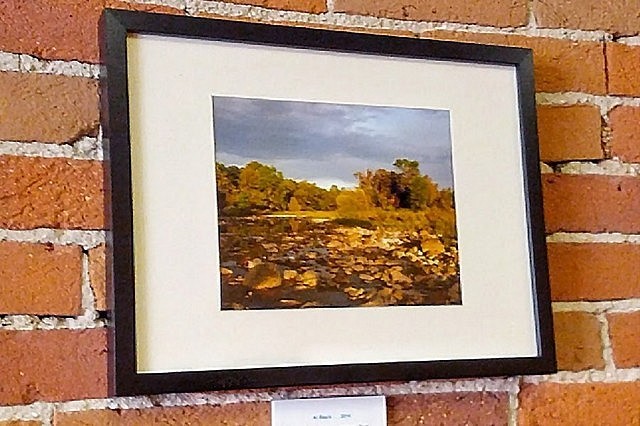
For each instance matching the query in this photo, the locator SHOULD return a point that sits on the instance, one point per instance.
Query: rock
(432, 246)
(256, 250)
(366, 277)
(253, 263)
(290, 302)
(226, 271)
(263, 275)
(310, 278)
(354, 292)
(334, 244)
(290, 274)
(398, 276)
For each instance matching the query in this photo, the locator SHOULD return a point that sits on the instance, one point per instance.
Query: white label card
(342, 411)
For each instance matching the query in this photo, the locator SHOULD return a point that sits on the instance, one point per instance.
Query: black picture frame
(124, 376)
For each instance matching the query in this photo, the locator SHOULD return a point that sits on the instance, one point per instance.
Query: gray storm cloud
(327, 143)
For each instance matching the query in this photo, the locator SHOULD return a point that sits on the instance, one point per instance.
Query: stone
(253, 263)
(432, 246)
(310, 278)
(290, 274)
(263, 276)
(398, 276)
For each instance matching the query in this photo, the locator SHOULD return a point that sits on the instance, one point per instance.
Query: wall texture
(52, 296)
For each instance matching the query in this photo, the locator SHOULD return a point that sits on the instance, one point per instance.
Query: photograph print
(324, 205)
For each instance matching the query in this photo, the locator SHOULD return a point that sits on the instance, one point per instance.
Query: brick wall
(52, 327)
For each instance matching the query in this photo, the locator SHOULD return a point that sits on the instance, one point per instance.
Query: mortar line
(47, 419)
(607, 167)
(33, 64)
(513, 406)
(331, 7)
(231, 397)
(29, 322)
(233, 10)
(38, 411)
(599, 307)
(606, 135)
(88, 295)
(629, 41)
(604, 102)
(620, 375)
(87, 239)
(9, 62)
(584, 237)
(531, 15)
(607, 349)
(86, 148)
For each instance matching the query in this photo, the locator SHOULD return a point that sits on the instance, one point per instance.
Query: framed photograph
(295, 206)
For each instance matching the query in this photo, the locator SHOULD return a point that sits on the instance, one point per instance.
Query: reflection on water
(285, 262)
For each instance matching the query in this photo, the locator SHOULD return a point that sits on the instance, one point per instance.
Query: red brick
(624, 330)
(591, 203)
(578, 341)
(499, 13)
(20, 423)
(625, 129)
(252, 413)
(618, 17)
(594, 271)
(481, 408)
(52, 365)
(559, 65)
(51, 192)
(47, 108)
(623, 69)
(143, 7)
(40, 279)
(59, 29)
(569, 133)
(580, 404)
(311, 6)
(51, 29)
(97, 276)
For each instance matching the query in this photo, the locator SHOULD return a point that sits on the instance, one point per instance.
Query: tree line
(258, 188)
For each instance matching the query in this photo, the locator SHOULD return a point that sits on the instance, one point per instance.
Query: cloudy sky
(327, 143)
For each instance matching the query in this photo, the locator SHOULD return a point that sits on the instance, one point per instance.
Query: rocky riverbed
(275, 263)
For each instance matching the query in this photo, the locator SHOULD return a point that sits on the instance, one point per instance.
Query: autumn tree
(352, 203)
(258, 188)
(294, 205)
